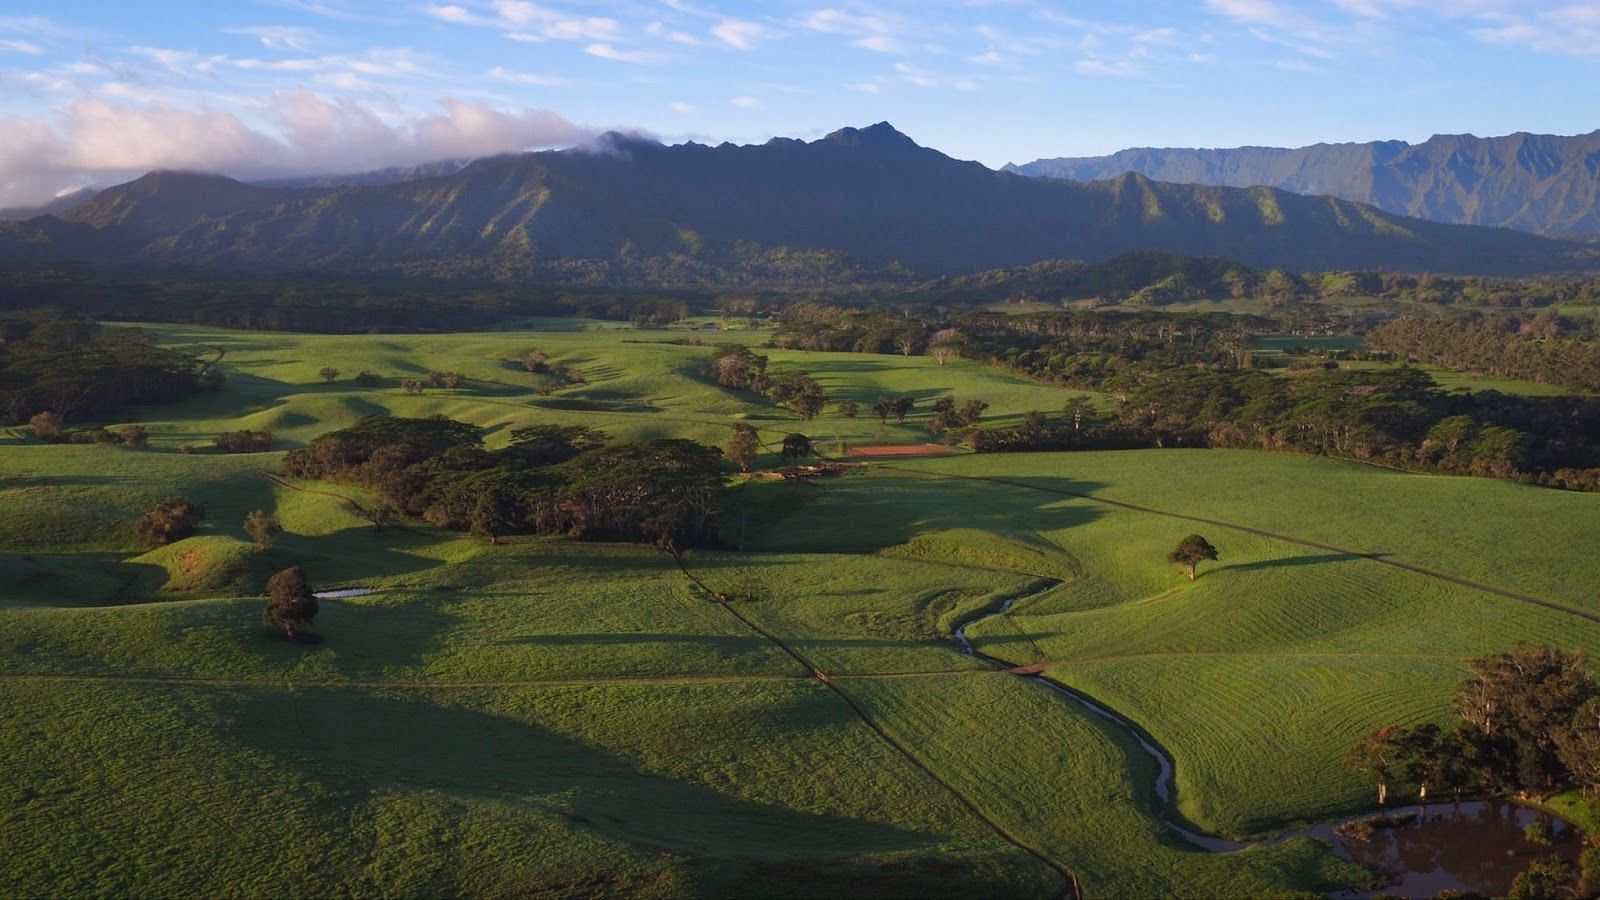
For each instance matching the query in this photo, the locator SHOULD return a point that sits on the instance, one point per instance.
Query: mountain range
(1546, 184)
(858, 204)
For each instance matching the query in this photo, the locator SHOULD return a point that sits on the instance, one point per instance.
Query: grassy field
(544, 716)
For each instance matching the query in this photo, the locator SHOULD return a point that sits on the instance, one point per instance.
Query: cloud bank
(99, 141)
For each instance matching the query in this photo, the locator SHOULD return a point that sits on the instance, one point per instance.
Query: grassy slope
(583, 787)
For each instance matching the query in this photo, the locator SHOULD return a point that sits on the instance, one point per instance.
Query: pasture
(546, 716)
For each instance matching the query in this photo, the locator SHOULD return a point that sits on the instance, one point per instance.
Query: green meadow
(544, 716)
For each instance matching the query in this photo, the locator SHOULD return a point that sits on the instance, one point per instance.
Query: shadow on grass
(368, 746)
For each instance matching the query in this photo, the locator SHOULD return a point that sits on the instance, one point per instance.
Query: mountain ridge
(1540, 183)
(860, 202)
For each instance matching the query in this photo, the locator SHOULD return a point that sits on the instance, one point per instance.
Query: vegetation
(55, 365)
(290, 603)
(172, 519)
(1190, 552)
(632, 735)
(263, 528)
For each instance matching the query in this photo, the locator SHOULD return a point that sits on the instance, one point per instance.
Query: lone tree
(884, 407)
(903, 407)
(797, 446)
(848, 408)
(290, 603)
(262, 528)
(1191, 551)
(173, 519)
(491, 516)
(328, 373)
(742, 449)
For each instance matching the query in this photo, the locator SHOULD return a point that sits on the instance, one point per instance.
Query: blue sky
(95, 92)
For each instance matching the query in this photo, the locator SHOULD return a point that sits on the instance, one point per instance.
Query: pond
(1479, 847)
(343, 592)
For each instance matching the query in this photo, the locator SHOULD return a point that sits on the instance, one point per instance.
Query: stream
(1477, 846)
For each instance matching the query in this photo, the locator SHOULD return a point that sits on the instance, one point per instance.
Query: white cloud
(678, 106)
(27, 47)
(103, 141)
(746, 102)
(279, 37)
(609, 51)
(500, 73)
(878, 43)
(738, 33)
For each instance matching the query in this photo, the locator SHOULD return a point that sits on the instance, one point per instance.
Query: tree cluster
(1533, 349)
(68, 365)
(547, 480)
(244, 441)
(168, 521)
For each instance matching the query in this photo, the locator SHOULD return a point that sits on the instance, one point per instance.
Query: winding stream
(1477, 846)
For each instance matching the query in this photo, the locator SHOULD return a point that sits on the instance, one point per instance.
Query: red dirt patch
(891, 451)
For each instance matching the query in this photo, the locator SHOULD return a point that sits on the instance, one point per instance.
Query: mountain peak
(881, 136)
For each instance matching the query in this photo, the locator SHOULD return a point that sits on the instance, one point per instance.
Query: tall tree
(1378, 755)
(742, 449)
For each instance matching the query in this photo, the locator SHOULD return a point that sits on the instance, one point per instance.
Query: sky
(94, 93)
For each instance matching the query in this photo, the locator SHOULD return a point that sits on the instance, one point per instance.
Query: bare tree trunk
(1383, 793)
(1192, 567)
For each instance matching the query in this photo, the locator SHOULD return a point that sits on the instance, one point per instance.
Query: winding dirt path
(1070, 886)
(1384, 559)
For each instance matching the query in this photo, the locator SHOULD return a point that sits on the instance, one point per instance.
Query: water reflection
(1479, 847)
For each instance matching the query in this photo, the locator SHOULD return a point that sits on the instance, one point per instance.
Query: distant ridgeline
(329, 304)
(1547, 184)
(858, 206)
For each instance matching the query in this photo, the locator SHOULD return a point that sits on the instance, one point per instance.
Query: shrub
(245, 441)
(262, 528)
(134, 436)
(290, 603)
(173, 519)
(46, 427)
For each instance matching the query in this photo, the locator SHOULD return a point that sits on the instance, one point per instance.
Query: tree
(134, 436)
(801, 393)
(46, 427)
(797, 446)
(262, 528)
(328, 373)
(971, 411)
(368, 379)
(1550, 878)
(903, 407)
(884, 407)
(944, 414)
(214, 379)
(535, 360)
(290, 602)
(848, 408)
(453, 380)
(1515, 708)
(172, 519)
(1378, 755)
(1190, 552)
(491, 517)
(742, 449)
(412, 385)
(1077, 408)
(1579, 746)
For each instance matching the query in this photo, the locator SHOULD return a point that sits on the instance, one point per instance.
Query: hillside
(858, 204)
(1546, 184)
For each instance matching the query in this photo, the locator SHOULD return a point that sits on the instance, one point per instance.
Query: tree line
(1538, 348)
(549, 479)
(67, 365)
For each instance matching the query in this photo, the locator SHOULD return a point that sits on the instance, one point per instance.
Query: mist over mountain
(1546, 184)
(859, 203)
